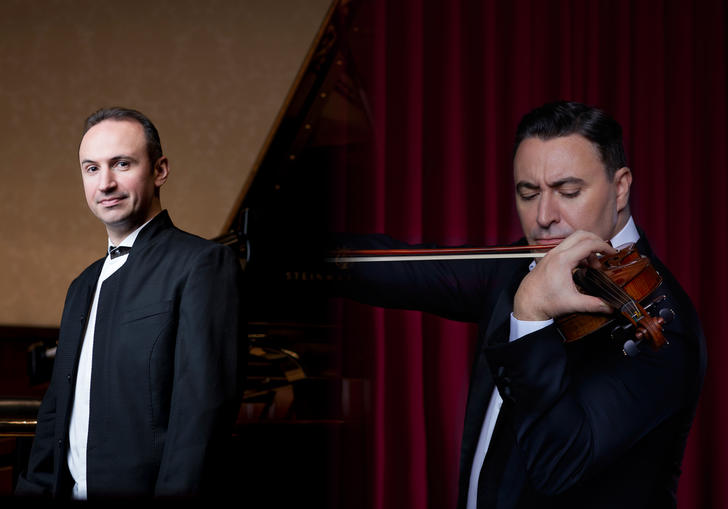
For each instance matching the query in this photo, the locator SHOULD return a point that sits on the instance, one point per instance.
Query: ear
(161, 172)
(622, 183)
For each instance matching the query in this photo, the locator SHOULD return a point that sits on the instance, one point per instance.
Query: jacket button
(60, 443)
(68, 378)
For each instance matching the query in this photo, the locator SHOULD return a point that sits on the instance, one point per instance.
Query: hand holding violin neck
(549, 291)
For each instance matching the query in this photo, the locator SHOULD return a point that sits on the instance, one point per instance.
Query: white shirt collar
(626, 235)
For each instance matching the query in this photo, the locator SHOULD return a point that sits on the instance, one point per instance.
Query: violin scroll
(631, 339)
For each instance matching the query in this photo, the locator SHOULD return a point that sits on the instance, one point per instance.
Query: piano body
(301, 435)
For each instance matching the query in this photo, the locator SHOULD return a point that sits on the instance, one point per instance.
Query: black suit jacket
(582, 425)
(166, 374)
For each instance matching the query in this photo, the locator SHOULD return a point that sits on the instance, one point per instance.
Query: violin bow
(458, 253)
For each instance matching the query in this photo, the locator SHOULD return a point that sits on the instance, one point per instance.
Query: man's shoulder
(90, 272)
(177, 238)
(183, 237)
(177, 246)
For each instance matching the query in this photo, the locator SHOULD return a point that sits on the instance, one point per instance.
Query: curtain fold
(447, 83)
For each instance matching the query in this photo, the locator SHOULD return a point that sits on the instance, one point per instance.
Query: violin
(623, 280)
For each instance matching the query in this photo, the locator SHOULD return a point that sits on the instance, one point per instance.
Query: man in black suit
(548, 423)
(148, 371)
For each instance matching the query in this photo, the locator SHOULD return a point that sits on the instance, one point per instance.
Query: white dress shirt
(78, 427)
(519, 329)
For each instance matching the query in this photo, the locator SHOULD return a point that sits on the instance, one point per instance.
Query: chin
(113, 217)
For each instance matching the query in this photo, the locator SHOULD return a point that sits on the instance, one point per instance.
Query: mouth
(550, 240)
(110, 201)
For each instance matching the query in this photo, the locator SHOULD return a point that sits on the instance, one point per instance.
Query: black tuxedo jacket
(582, 425)
(166, 374)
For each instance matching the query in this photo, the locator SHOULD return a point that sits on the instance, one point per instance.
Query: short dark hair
(154, 145)
(563, 118)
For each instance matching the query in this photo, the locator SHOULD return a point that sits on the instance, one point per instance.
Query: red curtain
(447, 82)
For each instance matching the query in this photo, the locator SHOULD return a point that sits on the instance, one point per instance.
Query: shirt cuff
(520, 328)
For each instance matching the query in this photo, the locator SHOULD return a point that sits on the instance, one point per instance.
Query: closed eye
(569, 187)
(527, 191)
(570, 193)
(527, 196)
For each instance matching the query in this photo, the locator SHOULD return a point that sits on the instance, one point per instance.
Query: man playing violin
(549, 423)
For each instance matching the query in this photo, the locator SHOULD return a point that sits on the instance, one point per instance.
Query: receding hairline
(129, 120)
(120, 113)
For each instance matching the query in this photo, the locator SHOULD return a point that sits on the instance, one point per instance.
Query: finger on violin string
(593, 261)
(586, 303)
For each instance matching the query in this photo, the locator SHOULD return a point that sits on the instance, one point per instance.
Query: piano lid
(286, 205)
(287, 209)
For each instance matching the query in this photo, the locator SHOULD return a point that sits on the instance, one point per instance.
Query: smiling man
(550, 423)
(122, 175)
(148, 370)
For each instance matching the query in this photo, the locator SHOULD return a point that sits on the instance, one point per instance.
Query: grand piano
(301, 434)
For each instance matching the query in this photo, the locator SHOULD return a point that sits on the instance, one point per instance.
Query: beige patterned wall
(211, 74)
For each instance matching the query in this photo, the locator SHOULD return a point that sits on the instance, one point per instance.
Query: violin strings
(606, 289)
(592, 283)
(615, 295)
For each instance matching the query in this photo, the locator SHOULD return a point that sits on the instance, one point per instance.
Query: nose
(106, 180)
(548, 210)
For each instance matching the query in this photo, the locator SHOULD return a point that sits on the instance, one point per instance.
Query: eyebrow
(566, 180)
(553, 185)
(112, 159)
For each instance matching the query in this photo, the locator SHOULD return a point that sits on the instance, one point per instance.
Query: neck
(118, 232)
(622, 218)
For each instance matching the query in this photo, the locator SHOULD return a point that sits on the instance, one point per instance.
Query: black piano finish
(302, 431)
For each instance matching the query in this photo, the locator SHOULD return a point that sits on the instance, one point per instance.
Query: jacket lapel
(72, 330)
(481, 383)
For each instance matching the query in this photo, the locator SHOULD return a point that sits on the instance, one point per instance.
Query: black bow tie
(118, 251)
